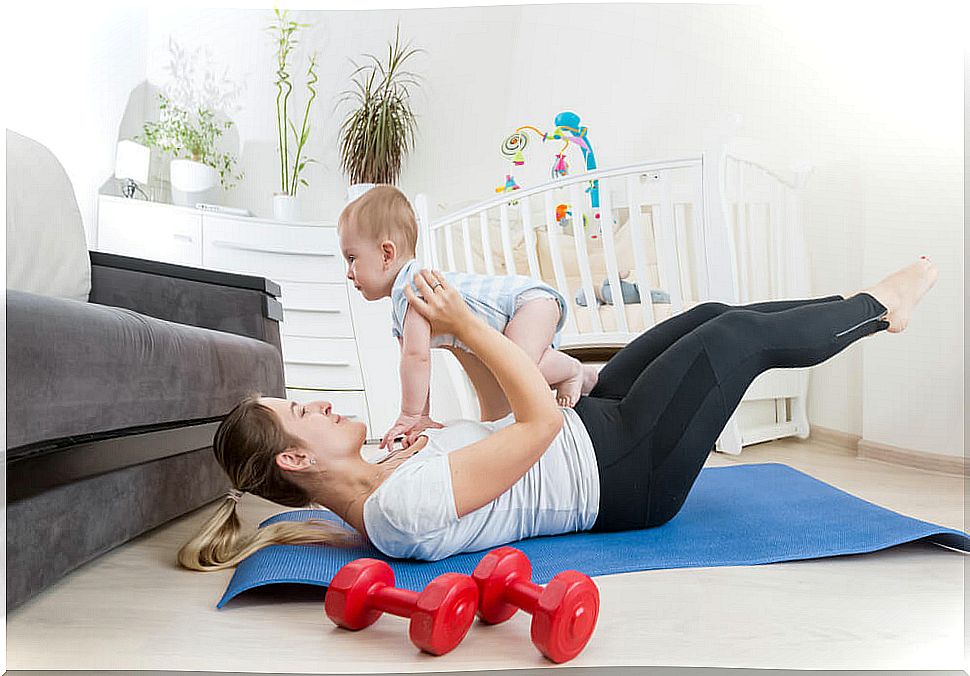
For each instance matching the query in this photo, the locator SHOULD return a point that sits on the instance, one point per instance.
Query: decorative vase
(192, 182)
(355, 190)
(286, 207)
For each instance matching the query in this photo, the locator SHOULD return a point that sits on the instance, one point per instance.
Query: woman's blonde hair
(383, 213)
(246, 445)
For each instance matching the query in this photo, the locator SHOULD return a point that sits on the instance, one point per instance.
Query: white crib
(715, 226)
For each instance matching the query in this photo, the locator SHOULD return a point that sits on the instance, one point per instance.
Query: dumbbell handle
(523, 594)
(400, 602)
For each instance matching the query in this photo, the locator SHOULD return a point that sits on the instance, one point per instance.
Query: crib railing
(664, 236)
(648, 227)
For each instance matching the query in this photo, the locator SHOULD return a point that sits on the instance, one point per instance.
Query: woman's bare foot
(901, 291)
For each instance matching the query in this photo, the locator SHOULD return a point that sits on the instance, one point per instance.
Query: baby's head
(378, 235)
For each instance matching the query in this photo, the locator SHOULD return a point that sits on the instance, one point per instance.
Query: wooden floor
(898, 609)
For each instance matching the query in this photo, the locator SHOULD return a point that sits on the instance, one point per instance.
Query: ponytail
(220, 543)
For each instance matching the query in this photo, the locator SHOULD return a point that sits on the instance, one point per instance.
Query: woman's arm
(484, 470)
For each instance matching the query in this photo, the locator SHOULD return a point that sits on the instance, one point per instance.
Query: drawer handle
(270, 250)
(316, 363)
(297, 308)
(184, 238)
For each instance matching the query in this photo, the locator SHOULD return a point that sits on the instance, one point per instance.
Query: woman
(624, 458)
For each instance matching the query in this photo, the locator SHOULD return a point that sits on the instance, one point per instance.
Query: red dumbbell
(440, 614)
(563, 612)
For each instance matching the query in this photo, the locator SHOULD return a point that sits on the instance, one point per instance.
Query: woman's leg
(616, 377)
(673, 413)
(650, 446)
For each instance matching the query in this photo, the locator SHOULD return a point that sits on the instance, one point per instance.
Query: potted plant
(192, 110)
(292, 157)
(378, 131)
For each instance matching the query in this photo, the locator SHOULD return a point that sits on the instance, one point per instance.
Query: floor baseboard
(873, 450)
(843, 440)
(933, 462)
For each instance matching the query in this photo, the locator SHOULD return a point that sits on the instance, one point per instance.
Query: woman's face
(326, 433)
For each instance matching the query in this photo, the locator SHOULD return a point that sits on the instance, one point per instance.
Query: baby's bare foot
(901, 291)
(568, 391)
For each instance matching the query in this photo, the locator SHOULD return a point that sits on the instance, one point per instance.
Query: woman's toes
(906, 289)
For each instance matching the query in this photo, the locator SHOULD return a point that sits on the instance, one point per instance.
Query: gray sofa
(112, 401)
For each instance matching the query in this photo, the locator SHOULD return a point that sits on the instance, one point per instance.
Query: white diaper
(533, 294)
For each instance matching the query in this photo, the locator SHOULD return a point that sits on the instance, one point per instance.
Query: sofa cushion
(46, 250)
(78, 369)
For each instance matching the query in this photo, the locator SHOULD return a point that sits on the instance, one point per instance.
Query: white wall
(877, 116)
(70, 91)
(902, 109)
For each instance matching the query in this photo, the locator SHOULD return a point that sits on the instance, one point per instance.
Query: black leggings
(662, 401)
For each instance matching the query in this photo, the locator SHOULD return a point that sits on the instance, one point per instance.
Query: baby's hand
(408, 426)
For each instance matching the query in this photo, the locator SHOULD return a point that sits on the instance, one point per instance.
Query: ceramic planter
(286, 207)
(192, 182)
(355, 190)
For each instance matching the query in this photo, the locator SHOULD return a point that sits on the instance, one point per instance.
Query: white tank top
(412, 514)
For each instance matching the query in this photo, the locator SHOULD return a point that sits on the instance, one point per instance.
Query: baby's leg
(532, 328)
(492, 403)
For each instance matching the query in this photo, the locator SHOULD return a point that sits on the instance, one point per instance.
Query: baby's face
(365, 264)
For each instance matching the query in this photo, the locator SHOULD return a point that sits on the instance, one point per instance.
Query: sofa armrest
(241, 304)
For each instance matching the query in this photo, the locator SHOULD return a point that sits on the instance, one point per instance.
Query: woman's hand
(440, 304)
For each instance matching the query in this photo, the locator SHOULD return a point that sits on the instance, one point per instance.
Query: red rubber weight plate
(566, 616)
(346, 601)
(492, 575)
(445, 611)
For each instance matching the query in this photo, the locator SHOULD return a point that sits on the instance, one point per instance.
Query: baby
(378, 236)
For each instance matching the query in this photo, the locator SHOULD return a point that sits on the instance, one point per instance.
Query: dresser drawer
(148, 230)
(311, 310)
(321, 363)
(282, 253)
(348, 404)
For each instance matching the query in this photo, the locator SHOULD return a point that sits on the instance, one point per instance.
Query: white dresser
(323, 345)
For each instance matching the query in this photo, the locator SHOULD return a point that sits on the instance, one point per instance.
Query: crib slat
(503, 217)
(450, 247)
(433, 245)
(609, 251)
(796, 284)
(555, 252)
(578, 207)
(486, 243)
(525, 210)
(666, 245)
(683, 250)
(639, 250)
(702, 290)
(741, 220)
(466, 240)
(776, 231)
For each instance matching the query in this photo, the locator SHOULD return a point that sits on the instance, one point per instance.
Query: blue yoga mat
(734, 516)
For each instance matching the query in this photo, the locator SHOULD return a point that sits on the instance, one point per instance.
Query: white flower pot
(286, 207)
(192, 182)
(355, 190)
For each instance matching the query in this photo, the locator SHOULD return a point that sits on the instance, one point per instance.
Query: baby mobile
(568, 130)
